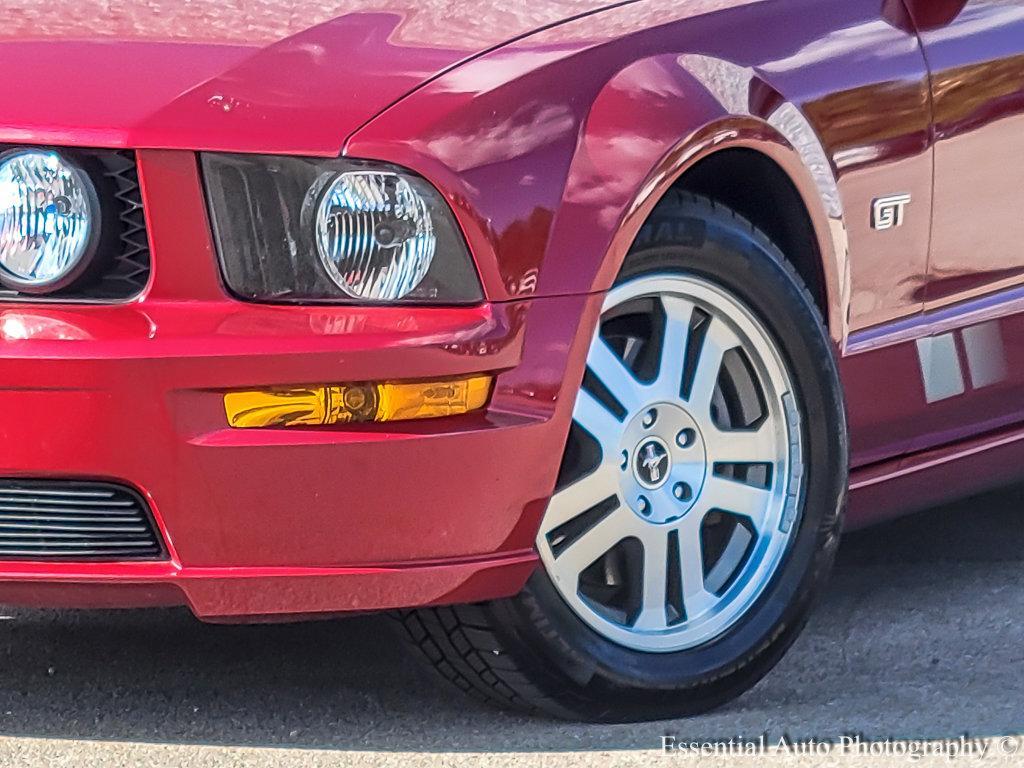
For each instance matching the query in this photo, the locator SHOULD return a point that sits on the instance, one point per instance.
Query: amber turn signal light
(348, 403)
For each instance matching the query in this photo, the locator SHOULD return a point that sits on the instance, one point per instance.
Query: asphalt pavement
(919, 641)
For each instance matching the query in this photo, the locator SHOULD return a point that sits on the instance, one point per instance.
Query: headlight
(303, 230)
(49, 220)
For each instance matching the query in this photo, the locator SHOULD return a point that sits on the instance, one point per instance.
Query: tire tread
(469, 655)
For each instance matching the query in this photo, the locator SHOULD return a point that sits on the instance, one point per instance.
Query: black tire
(532, 651)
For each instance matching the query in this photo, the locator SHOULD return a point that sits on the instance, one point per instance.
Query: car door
(972, 358)
(975, 54)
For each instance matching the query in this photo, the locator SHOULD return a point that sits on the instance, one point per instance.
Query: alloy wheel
(680, 486)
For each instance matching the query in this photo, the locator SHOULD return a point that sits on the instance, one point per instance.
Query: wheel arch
(769, 200)
(738, 161)
(710, 126)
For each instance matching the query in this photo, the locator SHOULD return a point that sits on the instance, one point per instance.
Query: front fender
(553, 150)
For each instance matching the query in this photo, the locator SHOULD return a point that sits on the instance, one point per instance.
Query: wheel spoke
(696, 597)
(652, 614)
(678, 313)
(596, 419)
(717, 341)
(580, 496)
(595, 542)
(736, 497)
(613, 373)
(743, 446)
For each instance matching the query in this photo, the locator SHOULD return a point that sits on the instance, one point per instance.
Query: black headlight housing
(305, 230)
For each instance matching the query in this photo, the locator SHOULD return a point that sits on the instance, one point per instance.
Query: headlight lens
(49, 220)
(375, 235)
(304, 230)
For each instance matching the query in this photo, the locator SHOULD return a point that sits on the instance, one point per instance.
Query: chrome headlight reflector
(305, 230)
(49, 220)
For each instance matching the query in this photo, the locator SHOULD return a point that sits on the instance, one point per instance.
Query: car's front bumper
(288, 521)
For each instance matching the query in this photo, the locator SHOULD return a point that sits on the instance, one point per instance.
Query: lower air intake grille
(44, 519)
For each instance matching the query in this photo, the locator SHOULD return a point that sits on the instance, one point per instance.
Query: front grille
(44, 519)
(126, 259)
(129, 269)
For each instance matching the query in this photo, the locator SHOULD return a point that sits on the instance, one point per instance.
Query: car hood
(290, 76)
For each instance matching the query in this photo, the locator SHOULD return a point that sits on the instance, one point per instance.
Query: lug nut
(686, 438)
(643, 505)
(649, 418)
(682, 491)
(624, 464)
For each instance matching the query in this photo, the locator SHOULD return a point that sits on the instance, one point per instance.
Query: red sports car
(563, 328)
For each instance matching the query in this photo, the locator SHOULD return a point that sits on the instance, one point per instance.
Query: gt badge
(887, 212)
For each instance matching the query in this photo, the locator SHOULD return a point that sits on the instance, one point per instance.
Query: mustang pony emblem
(652, 457)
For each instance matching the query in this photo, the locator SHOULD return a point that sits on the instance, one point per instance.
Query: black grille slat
(86, 526)
(67, 494)
(71, 537)
(91, 503)
(99, 512)
(78, 554)
(128, 263)
(72, 519)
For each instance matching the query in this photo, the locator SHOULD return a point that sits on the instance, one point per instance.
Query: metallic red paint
(977, 62)
(279, 76)
(552, 129)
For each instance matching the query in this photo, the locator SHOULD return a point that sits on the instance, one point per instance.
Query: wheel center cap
(652, 463)
(663, 462)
